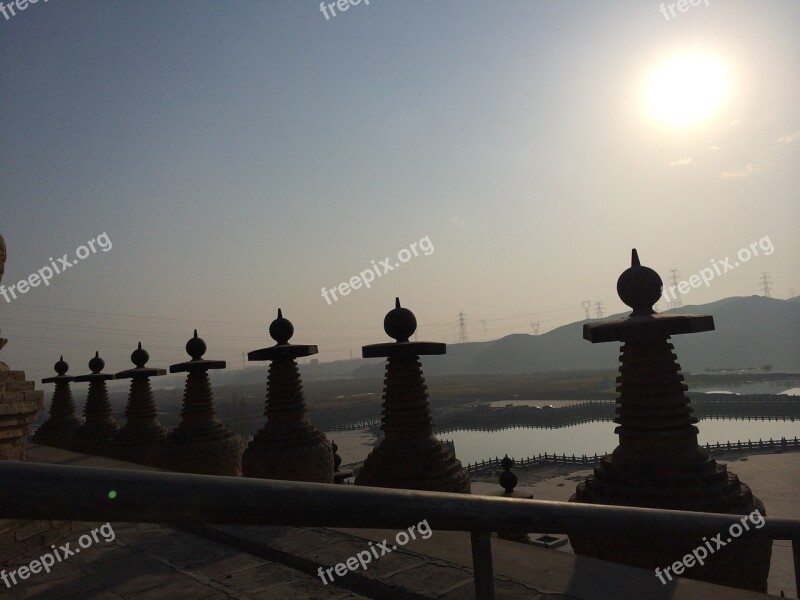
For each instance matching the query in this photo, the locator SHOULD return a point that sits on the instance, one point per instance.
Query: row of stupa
(288, 447)
(657, 464)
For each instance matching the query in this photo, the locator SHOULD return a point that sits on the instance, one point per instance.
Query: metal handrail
(56, 492)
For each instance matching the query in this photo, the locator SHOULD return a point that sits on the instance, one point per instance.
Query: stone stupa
(20, 403)
(658, 463)
(409, 456)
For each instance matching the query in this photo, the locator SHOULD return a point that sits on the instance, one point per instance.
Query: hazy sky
(240, 156)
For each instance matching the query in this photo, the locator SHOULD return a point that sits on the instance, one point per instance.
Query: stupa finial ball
(639, 287)
(96, 364)
(281, 330)
(399, 323)
(61, 367)
(139, 357)
(196, 347)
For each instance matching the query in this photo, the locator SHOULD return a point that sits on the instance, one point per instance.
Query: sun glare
(686, 90)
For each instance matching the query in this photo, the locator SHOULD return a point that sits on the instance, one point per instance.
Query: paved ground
(774, 478)
(152, 561)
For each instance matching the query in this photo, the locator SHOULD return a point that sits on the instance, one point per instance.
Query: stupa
(99, 427)
(289, 446)
(141, 437)
(658, 462)
(59, 429)
(201, 443)
(409, 456)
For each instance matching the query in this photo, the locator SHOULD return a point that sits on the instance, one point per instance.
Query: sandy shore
(353, 445)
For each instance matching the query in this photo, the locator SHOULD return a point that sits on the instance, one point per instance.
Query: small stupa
(141, 437)
(201, 443)
(62, 424)
(99, 427)
(289, 446)
(409, 456)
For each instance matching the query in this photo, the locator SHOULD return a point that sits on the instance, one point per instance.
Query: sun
(686, 90)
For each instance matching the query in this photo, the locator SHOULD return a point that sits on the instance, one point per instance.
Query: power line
(765, 281)
(462, 329)
(587, 304)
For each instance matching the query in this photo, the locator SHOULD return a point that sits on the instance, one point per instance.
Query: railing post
(796, 558)
(482, 564)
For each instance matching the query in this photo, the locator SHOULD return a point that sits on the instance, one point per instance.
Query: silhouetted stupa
(59, 429)
(658, 462)
(201, 443)
(140, 439)
(409, 456)
(289, 446)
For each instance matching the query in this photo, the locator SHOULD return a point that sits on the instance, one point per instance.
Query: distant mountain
(750, 332)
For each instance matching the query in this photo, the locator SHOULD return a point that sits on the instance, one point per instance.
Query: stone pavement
(151, 561)
(154, 561)
(775, 477)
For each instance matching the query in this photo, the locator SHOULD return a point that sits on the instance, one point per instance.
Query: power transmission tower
(462, 329)
(676, 302)
(791, 293)
(599, 309)
(587, 304)
(535, 327)
(483, 324)
(765, 281)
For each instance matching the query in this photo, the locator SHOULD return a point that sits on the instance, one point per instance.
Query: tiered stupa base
(57, 433)
(291, 450)
(289, 446)
(204, 448)
(421, 464)
(659, 464)
(707, 488)
(139, 441)
(410, 456)
(98, 431)
(62, 424)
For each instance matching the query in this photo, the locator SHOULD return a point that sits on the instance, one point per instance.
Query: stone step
(21, 402)
(11, 376)
(19, 386)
